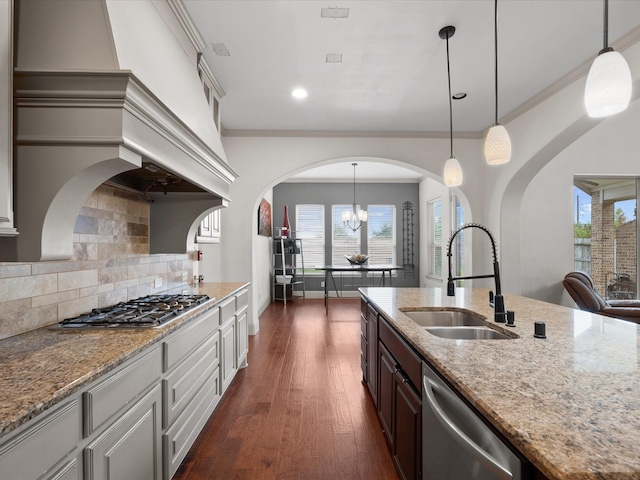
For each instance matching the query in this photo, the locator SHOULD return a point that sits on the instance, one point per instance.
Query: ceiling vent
(220, 50)
(334, 58)
(334, 12)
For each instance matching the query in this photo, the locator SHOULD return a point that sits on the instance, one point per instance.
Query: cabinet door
(41, 446)
(130, 447)
(408, 429)
(364, 349)
(228, 357)
(243, 339)
(372, 355)
(386, 381)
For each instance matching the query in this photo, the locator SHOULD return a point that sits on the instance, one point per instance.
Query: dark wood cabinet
(372, 354)
(398, 373)
(407, 453)
(387, 385)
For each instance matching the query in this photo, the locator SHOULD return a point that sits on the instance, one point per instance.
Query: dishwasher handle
(469, 445)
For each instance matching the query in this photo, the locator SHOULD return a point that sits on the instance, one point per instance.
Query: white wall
(526, 203)
(611, 148)
(540, 138)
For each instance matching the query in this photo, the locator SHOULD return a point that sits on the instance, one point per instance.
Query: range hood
(109, 91)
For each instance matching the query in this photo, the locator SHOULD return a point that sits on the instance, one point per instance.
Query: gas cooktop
(152, 311)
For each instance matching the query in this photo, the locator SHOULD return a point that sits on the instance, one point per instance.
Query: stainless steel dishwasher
(456, 443)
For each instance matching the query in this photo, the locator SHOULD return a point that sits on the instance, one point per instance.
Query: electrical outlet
(157, 283)
(184, 276)
(322, 284)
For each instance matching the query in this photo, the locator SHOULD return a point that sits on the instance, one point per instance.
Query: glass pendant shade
(452, 173)
(497, 146)
(608, 88)
(354, 216)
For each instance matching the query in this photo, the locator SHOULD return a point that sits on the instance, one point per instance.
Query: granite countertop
(570, 403)
(40, 368)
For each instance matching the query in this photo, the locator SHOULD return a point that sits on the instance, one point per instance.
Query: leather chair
(581, 288)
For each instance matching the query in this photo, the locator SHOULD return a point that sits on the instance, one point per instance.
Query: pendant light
(452, 170)
(497, 145)
(355, 218)
(608, 88)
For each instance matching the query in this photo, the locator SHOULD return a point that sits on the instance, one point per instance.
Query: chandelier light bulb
(497, 145)
(608, 88)
(452, 173)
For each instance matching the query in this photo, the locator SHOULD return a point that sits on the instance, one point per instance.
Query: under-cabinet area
(139, 419)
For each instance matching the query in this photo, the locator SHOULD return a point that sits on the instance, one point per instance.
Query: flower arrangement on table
(357, 259)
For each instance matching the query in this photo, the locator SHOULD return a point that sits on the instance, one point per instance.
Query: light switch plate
(157, 283)
(184, 276)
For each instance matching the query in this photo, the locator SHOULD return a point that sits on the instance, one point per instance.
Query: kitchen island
(77, 373)
(568, 403)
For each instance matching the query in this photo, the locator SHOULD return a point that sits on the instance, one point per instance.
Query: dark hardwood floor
(299, 410)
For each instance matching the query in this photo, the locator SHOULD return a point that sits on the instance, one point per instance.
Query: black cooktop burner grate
(149, 311)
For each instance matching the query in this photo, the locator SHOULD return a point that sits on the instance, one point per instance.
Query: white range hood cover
(101, 86)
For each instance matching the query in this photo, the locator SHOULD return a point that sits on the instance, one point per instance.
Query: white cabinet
(139, 420)
(6, 119)
(130, 446)
(242, 337)
(228, 358)
(39, 448)
(108, 397)
(191, 385)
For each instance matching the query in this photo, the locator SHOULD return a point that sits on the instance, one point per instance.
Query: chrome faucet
(496, 301)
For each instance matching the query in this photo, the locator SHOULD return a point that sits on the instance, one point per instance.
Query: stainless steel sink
(444, 318)
(467, 333)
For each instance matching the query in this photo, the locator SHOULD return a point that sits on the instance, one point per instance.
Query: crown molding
(187, 24)
(344, 134)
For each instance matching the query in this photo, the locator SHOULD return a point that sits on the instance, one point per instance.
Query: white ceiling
(393, 76)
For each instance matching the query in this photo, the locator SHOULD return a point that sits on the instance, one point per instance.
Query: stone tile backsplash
(111, 264)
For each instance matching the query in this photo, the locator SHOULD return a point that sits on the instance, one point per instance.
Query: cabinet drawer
(363, 307)
(180, 344)
(242, 299)
(184, 382)
(180, 436)
(122, 386)
(227, 309)
(406, 358)
(41, 446)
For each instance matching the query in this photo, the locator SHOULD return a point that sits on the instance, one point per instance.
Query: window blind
(310, 229)
(434, 226)
(344, 240)
(381, 234)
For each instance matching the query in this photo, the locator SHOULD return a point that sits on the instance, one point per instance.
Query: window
(310, 229)
(459, 241)
(434, 229)
(381, 238)
(344, 240)
(606, 233)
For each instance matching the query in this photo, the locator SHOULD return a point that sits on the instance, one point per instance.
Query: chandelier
(355, 218)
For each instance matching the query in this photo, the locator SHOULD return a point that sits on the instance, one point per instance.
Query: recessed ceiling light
(334, 58)
(220, 49)
(299, 93)
(459, 96)
(334, 12)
